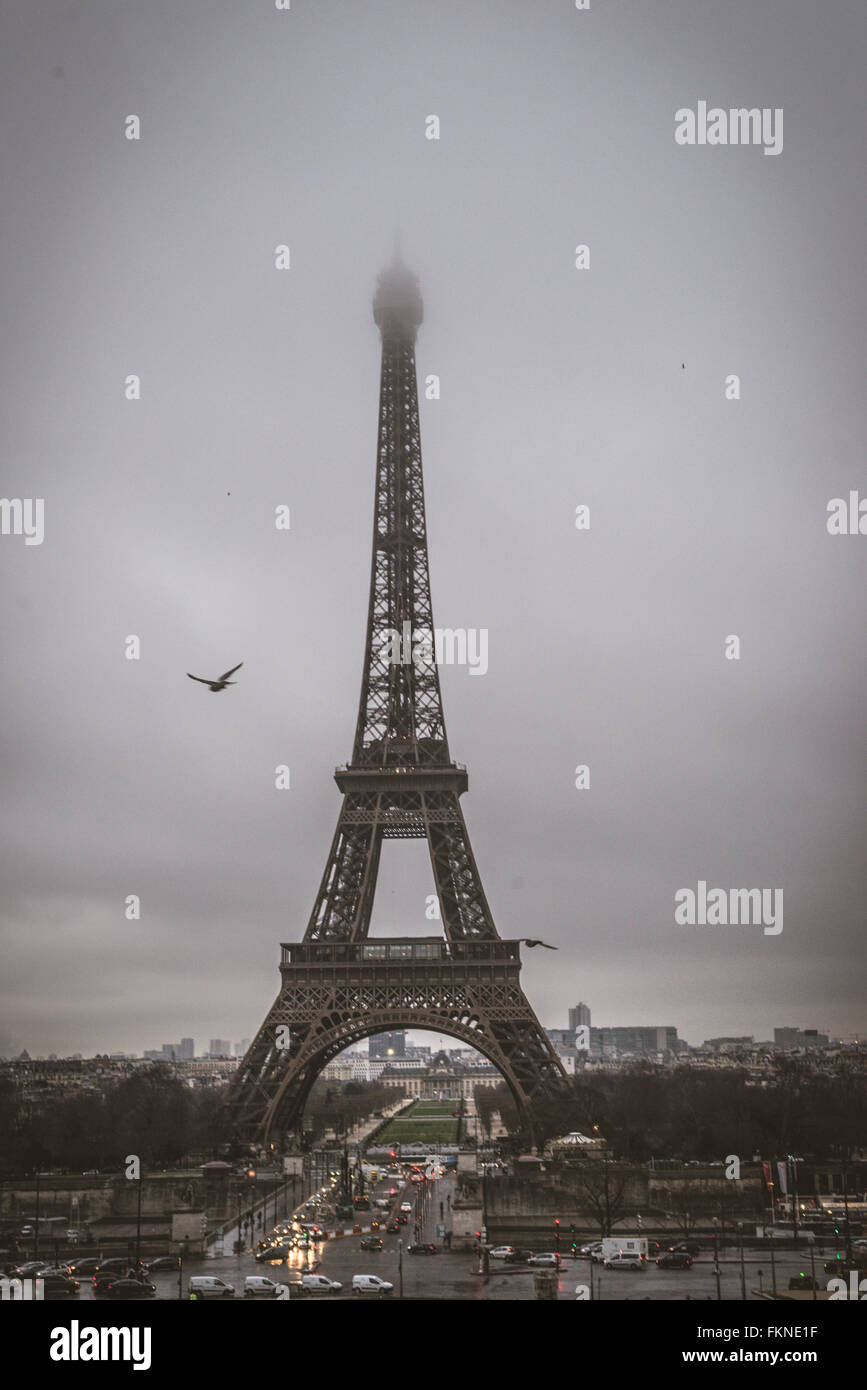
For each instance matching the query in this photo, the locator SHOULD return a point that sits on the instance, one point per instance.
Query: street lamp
(811, 1240)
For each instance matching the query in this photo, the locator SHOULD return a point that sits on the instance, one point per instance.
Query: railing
(424, 951)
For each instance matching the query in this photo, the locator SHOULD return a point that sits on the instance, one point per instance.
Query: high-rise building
(579, 1016)
(799, 1037)
(633, 1039)
(242, 1047)
(220, 1047)
(388, 1045)
(187, 1049)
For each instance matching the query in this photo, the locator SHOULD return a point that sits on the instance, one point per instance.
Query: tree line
(152, 1113)
(692, 1113)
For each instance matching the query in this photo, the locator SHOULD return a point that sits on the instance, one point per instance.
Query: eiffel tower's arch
(285, 1112)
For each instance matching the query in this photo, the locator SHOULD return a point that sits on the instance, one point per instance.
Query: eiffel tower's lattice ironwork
(337, 986)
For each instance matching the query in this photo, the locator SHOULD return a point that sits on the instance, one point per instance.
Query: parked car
(30, 1269)
(422, 1250)
(55, 1284)
(500, 1252)
(370, 1243)
(623, 1260)
(258, 1286)
(129, 1288)
(210, 1286)
(546, 1261)
(674, 1259)
(371, 1284)
(319, 1284)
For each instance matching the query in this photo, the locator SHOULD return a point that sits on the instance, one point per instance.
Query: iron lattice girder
(400, 714)
(344, 903)
(334, 995)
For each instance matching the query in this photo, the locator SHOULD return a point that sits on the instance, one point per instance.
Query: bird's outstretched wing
(200, 678)
(226, 674)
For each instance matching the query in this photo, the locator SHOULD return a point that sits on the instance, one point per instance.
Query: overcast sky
(559, 387)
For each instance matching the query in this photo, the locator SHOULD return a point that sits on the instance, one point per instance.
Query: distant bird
(529, 942)
(221, 682)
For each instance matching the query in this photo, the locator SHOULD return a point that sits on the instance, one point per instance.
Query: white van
(209, 1286)
(257, 1286)
(318, 1283)
(371, 1284)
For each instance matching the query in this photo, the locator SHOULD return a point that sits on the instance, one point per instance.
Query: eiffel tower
(337, 985)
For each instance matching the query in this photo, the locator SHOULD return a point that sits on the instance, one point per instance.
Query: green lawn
(426, 1122)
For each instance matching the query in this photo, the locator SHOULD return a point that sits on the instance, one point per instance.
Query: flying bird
(528, 941)
(221, 682)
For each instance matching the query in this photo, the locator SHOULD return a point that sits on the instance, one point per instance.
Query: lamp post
(36, 1230)
(811, 1240)
(138, 1223)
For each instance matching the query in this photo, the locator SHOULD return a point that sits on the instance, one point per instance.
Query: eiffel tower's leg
(463, 905)
(345, 899)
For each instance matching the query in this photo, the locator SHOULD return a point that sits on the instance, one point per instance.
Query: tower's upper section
(397, 304)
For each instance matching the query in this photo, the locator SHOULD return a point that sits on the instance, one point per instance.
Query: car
(546, 1261)
(58, 1285)
(371, 1284)
(589, 1249)
(30, 1269)
(258, 1286)
(422, 1250)
(518, 1257)
(370, 1243)
(277, 1252)
(119, 1264)
(686, 1247)
(623, 1260)
(674, 1259)
(319, 1284)
(402, 1218)
(374, 1225)
(393, 1225)
(843, 1268)
(164, 1262)
(84, 1267)
(804, 1281)
(406, 1206)
(500, 1252)
(129, 1288)
(210, 1286)
(100, 1282)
